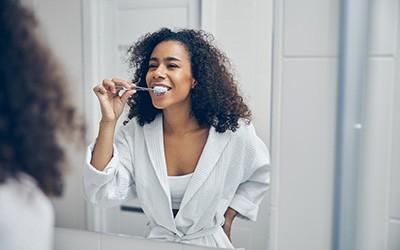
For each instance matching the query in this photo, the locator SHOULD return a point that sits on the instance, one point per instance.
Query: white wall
(243, 29)
(379, 204)
(305, 67)
(303, 127)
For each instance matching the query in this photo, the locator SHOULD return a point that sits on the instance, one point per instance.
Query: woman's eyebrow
(170, 58)
(167, 59)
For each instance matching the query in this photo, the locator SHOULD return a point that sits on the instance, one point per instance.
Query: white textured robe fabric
(26, 216)
(233, 171)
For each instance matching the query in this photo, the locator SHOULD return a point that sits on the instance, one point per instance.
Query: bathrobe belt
(160, 232)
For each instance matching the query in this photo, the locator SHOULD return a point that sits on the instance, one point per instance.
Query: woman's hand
(229, 215)
(112, 105)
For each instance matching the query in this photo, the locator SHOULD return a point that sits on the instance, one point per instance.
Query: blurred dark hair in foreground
(35, 109)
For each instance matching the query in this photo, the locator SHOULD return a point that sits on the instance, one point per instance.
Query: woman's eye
(172, 66)
(152, 66)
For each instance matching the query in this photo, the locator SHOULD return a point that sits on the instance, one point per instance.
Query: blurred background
(322, 78)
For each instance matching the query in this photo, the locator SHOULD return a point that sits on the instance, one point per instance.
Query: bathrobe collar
(212, 151)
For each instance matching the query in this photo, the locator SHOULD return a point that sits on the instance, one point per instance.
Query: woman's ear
(194, 83)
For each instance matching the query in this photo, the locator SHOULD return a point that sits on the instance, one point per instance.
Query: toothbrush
(156, 89)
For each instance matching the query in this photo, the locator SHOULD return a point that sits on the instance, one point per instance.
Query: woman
(191, 156)
(34, 113)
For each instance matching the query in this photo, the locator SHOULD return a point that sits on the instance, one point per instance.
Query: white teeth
(160, 89)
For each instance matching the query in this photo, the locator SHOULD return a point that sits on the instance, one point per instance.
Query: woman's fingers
(109, 86)
(121, 84)
(113, 86)
(99, 89)
(102, 88)
(111, 101)
(126, 95)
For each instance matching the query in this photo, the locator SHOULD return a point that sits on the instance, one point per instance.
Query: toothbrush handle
(142, 89)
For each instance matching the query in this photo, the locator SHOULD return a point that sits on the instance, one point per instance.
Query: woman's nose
(158, 73)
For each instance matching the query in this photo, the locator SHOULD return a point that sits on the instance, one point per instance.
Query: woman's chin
(158, 105)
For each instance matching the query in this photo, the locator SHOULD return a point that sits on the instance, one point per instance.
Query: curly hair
(34, 106)
(215, 99)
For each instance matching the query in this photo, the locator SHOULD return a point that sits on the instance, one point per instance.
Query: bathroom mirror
(108, 40)
(286, 54)
(90, 39)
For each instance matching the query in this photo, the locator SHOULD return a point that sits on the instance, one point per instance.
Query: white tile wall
(395, 183)
(379, 226)
(306, 167)
(129, 20)
(244, 32)
(393, 241)
(303, 130)
(394, 211)
(375, 155)
(239, 38)
(384, 16)
(311, 27)
(237, 9)
(242, 237)
(394, 236)
(306, 39)
(273, 235)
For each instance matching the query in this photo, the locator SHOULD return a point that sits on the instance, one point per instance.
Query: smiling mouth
(160, 89)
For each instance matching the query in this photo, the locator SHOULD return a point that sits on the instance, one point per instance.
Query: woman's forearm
(229, 215)
(103, 149)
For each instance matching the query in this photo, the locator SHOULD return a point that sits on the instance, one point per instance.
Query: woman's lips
(160, 84)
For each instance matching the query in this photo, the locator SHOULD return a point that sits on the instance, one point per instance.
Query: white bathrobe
(233, 171)
(26, 215)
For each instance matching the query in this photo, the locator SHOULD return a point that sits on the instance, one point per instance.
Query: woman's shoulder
(245, 129)
(22, 203)
(23, 192)
(246, 138)
(244, 134)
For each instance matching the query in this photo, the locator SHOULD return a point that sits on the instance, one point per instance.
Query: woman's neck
(179, 122)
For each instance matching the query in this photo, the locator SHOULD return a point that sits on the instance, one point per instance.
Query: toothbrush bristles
(160, 89)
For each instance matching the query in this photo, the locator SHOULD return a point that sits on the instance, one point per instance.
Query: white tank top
(177, 186)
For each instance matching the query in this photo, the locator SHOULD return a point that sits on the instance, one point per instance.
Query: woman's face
(170, 66)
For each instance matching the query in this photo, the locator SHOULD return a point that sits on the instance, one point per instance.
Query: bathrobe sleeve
(116, 183)
(256, 177)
